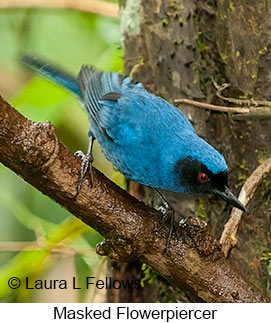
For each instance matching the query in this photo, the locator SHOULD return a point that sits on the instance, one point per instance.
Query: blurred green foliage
(35, 232)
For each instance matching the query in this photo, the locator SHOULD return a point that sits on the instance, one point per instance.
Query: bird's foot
(164, 219)
(86, 165)
(170, 232)
(166, 212)
(182, 222)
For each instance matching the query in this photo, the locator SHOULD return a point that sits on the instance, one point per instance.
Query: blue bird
(145, 137)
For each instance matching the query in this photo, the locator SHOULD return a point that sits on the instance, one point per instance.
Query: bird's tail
(51, 73)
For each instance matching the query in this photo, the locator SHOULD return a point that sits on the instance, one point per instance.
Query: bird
(145, 137)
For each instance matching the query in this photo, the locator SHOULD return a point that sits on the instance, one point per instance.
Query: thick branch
(194, 260)
(93, 6)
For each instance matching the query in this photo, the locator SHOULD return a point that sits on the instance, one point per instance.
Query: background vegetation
(38, 238)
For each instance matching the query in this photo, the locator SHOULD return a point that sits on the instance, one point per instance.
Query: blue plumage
(145, 137)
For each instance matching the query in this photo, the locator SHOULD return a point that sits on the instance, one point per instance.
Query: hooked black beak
(227, 196)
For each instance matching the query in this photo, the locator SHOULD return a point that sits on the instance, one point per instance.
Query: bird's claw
(170, 233)
(166, 211)
(79, 153)
(182, 222)
(86, 165)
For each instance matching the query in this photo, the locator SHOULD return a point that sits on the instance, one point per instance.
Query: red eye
(203, 178)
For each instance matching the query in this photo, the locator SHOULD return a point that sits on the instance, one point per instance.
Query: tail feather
(51, 73)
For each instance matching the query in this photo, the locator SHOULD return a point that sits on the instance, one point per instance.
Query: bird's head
(206, 174)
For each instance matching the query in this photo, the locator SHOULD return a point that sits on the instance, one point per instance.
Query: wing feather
(125, 112)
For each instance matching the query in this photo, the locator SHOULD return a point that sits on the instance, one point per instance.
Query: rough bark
(176, 47)
(194, 260)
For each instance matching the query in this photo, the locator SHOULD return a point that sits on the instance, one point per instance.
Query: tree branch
(242, 113)
(228, 238)
(211, 106)
(92, 6)
(242, 102)
(194, 260)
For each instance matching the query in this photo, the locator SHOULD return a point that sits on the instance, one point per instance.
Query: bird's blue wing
(105, 98)
(124, 111)
(138, 116)
(124, 120)
(93, 86)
